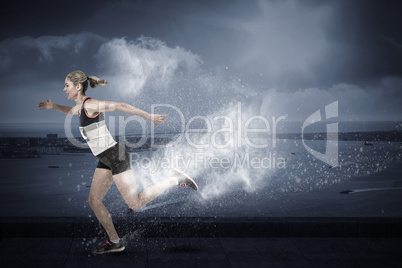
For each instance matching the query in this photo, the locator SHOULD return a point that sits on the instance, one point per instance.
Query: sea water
(28, 187)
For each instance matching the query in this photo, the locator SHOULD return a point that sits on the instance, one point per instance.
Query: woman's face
(70, 89)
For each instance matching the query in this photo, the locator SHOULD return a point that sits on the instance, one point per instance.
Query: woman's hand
(158, 118)
(47, 104)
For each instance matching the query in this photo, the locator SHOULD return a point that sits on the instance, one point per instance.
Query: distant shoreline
(386, 135)
(288, 128)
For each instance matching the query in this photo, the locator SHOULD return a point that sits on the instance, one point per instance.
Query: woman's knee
(135, 205)
(94, 201)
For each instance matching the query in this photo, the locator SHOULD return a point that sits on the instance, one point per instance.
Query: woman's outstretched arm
(95, 106)
(48, 104)
(154, 118)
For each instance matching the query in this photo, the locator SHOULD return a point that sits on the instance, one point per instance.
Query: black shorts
(115, 158)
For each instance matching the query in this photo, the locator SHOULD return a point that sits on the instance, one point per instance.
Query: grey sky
(201, 55)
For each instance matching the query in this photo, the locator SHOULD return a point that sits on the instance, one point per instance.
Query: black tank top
(85, 119)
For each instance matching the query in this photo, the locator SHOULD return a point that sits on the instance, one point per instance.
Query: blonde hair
(78, 77)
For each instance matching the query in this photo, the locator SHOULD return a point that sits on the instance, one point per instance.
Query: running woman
(113, 159)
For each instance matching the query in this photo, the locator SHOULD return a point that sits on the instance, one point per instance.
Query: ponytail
(78, 77)
(95, 81)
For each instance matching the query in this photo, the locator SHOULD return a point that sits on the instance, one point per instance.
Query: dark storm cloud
(353, 41)
(112, 18)
(44, 17)
(270, 53)
(316, 43)
(366, 42)
(33, 60)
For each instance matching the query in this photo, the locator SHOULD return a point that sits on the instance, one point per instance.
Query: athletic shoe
(109, 246)
(184, 180)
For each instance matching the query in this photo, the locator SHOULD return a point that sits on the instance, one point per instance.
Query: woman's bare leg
(127, 187)
(101, 183)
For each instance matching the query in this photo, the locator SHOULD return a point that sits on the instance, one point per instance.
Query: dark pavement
(206, 252)
(205, 242)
